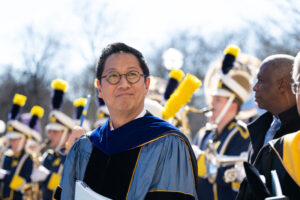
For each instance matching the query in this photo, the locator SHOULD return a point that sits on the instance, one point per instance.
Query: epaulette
(242, 126)
(9, 153)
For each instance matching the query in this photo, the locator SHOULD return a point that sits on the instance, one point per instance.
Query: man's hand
(76, 133)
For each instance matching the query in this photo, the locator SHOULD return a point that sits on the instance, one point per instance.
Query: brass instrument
(3, 148)
(213, 161)
(32, 191)
(28, 192)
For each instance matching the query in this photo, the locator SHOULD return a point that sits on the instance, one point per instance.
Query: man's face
(13, 143)
(266, 88)
(218, 103)
(54, 136)
(123, 97)
(33, 148)
(297, 79)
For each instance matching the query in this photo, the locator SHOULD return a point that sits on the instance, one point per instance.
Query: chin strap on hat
(21, 144)
(62, 139)
(225, 109)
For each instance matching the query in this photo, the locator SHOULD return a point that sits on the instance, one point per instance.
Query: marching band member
(229, 135)
(58, 130)
(16, 165)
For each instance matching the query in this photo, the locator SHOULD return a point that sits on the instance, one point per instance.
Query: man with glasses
(273, 92)
(134, 155)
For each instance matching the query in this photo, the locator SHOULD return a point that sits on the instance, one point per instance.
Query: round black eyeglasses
(115, 77)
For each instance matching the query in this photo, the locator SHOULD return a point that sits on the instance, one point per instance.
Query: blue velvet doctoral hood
(130, 135)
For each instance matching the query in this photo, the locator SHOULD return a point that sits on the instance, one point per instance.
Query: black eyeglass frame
(120, 77)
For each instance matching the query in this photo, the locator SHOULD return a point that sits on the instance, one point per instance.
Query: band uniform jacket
(53, 161)
(233, 140)
(19, 168)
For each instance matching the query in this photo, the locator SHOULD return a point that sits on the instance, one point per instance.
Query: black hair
(119, 48)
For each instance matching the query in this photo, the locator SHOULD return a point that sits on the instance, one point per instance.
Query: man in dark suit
(273, 93)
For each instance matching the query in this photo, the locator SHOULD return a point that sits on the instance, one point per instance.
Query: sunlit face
(266, 88)
(14, 143)
(32, 148)
(123, 97)
(218, 103)
(297, 79)
(54, 137)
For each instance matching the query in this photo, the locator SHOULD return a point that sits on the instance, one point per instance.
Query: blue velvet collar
(130, 135)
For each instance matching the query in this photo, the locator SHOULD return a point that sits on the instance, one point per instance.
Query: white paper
(84, 192)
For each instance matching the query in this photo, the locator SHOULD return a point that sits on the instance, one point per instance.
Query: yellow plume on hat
(181, 96)
(80, 102)
(19, 99)
(59, 84)
(232, 49)
(38, 111)
(177, 74)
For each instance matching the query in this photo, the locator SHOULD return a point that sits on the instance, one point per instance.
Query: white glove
(2, 174)
(235, 174)
(39, 174)
(240, 172)
(197, 151)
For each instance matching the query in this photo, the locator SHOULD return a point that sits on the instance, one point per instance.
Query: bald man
(272, 93)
